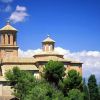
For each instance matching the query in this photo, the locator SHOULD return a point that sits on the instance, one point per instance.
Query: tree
(99, 89)
(44, 91)
(21, 81)
(93, 88)
(72, 81)
(75, 94)
(54, 71)
(41, 91)
(85, 90)
(26, 87)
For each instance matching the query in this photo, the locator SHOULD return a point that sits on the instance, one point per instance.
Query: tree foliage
(54, 71)
(85, 90)
(26, 87)
(72, 81)
(51, 87)
(93, 88)
(44, 91)
(99, 89)
(75, 94)
(21, 81)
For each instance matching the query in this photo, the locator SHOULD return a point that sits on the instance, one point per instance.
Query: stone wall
(5, 92)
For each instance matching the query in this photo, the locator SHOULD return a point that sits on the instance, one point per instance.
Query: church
(9, 58)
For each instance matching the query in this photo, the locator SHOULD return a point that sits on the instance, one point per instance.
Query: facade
(9, 58)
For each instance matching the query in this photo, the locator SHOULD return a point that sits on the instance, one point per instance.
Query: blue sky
(73, 24)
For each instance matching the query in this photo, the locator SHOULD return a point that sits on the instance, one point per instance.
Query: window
(14, 39)
(8, 38)
(49, 47)
(45, 48)
(4, 38)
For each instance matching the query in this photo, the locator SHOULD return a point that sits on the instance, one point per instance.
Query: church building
(9, 58)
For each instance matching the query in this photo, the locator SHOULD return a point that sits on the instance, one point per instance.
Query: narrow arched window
(8, 38)
(4, 38)
(49, 47)
(14, 39)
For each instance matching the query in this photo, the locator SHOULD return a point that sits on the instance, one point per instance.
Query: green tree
(99, 89)
(54, 71)
(44, 91)
(41, 91)
(75, 94)
(26, 87)
(85, 90)
(93, 88)
(21, 81)
(72, 81)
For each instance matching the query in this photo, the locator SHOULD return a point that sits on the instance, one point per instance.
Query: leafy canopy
(75, 94)
(21, 81)
(54, 71)
(51, 87)
(93, 88)
(72, 81)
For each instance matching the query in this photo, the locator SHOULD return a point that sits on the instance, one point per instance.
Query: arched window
(14, 39)
(49, 47)
(8, 38)
(4, 38)
(45, 48)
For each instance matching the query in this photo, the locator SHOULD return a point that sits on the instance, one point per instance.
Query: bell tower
(8, 41)
(48, 44)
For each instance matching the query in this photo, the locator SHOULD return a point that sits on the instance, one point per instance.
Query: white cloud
(20, 8)
(90, 59)
(6, 1)
(19, 14)
(62, 51)
(28, 53)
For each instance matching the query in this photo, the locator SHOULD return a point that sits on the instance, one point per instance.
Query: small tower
(48, 44)
(8, 41)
